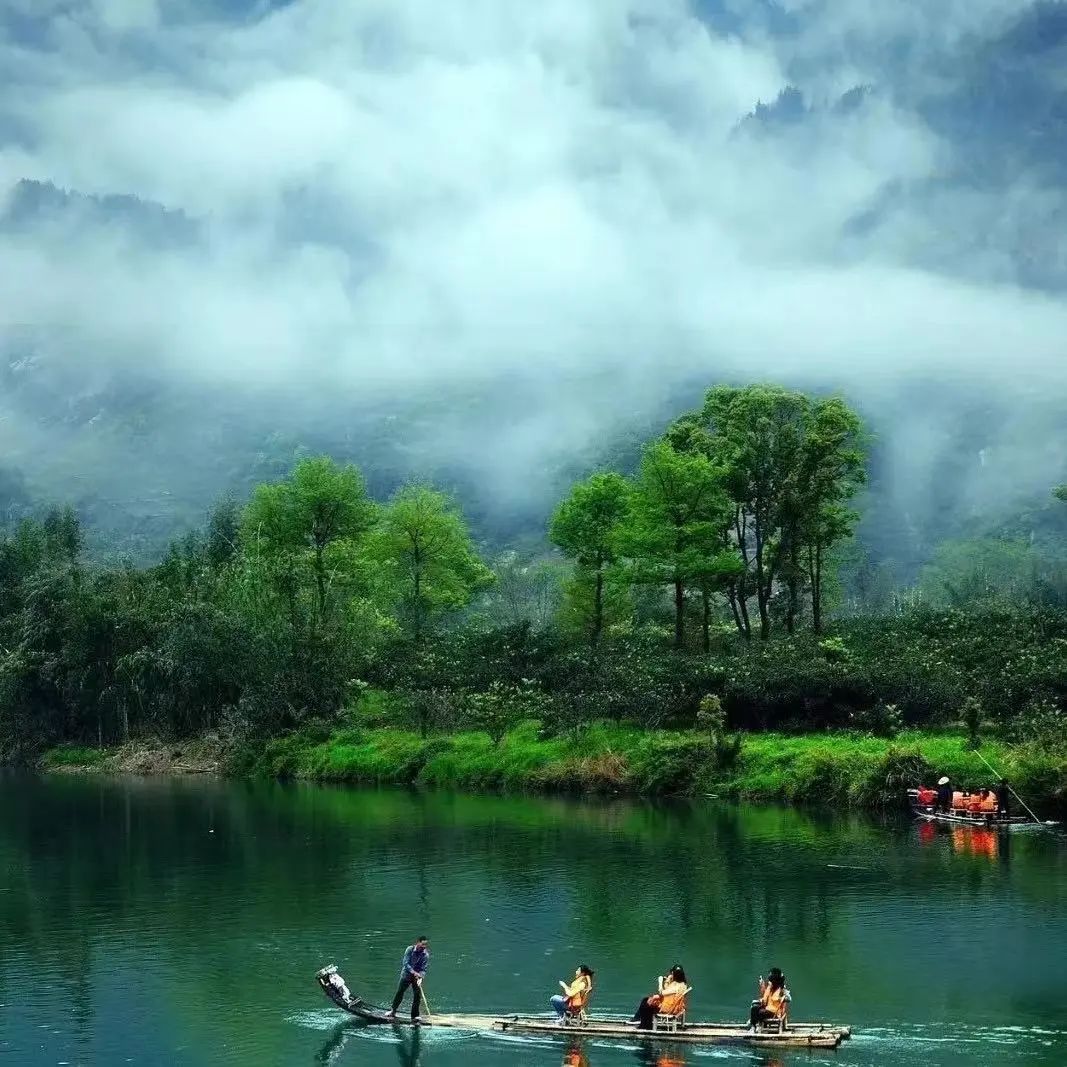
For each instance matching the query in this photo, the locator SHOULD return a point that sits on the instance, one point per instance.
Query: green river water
(182, 922)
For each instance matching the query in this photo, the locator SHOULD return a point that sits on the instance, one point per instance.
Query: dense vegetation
(701, 595)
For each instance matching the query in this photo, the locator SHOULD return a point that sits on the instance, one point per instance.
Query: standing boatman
(412, 972)
(944, 794)
(1003, 795)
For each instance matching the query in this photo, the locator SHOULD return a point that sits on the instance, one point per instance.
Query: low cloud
(400, 199)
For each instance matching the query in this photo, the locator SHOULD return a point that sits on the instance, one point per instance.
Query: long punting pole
(1007, 783)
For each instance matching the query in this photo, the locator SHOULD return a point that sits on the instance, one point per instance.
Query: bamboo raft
(794, 1035)
(984, 820)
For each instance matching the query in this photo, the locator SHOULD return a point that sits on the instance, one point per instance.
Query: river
(182, 922)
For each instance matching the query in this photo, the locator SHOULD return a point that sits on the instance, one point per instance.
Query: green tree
(790, 464)
(817, 515)
(675, 534)
(586, 527)
(433, 567)
(984, 571)
(223, 537)
(319, 506)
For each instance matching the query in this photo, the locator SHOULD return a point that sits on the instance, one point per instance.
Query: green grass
(840, 768)
(74, 756)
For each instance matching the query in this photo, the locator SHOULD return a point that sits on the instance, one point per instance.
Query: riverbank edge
(841, 768)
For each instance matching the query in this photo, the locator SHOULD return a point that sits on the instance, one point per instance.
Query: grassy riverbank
(840, 768)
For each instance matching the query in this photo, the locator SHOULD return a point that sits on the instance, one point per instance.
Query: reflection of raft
(796, 1035)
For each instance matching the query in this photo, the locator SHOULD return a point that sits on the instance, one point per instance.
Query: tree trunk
(320, 580)
(793, 587)
(598, 606)
(417, 605)
(815, 578)
(706, 619)
(762, 594)
(679, 613)
(740, 589)
(740, 621)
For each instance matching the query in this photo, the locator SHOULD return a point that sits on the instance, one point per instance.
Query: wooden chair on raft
(672, 1021)
(780, 1023)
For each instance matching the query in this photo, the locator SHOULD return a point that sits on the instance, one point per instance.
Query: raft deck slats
(802, 1035)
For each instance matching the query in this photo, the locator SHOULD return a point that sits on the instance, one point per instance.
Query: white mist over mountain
(523, 228)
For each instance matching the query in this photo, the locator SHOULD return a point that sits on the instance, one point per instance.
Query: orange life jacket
(926, 797)
(989, 804)
(774, 1000)
(577, 1000)
(672, 1004)
(958, 801)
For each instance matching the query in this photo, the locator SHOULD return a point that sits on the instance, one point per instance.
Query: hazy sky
(395, 193)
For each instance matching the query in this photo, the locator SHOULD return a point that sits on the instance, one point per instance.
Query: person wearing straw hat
(944, 793)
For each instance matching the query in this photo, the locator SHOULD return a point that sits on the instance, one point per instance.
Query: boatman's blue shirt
(416, 960)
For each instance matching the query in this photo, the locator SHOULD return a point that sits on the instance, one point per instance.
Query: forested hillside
(701, 589)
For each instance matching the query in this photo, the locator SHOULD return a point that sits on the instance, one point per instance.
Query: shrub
(883, 720)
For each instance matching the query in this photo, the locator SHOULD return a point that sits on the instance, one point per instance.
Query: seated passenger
(773, 999)
(974, 803)
(574, 995)
(959, 801)
(669, 999)
(926, 797)
(988, 802)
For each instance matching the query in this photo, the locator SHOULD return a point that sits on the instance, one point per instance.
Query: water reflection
(575, 1055)
(408, 1043)
(662, 1056)
(970, 841)
(982, 843)
(335, 1044)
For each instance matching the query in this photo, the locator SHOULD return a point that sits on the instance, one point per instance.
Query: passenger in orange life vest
(974, 803)
(959, 801)
(926, 797)
(669, 999)
(574, 995)
(773, 999)
(988, 802)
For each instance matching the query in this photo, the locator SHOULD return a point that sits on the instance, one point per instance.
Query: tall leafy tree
(586, 527)
(319, 506)
(674, 536)
(790, 465)
(423, 538)
(818, 515)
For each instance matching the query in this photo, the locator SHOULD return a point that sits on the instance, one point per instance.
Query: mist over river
(171, 921)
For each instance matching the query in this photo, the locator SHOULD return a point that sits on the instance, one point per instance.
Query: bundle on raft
(793, 1035)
